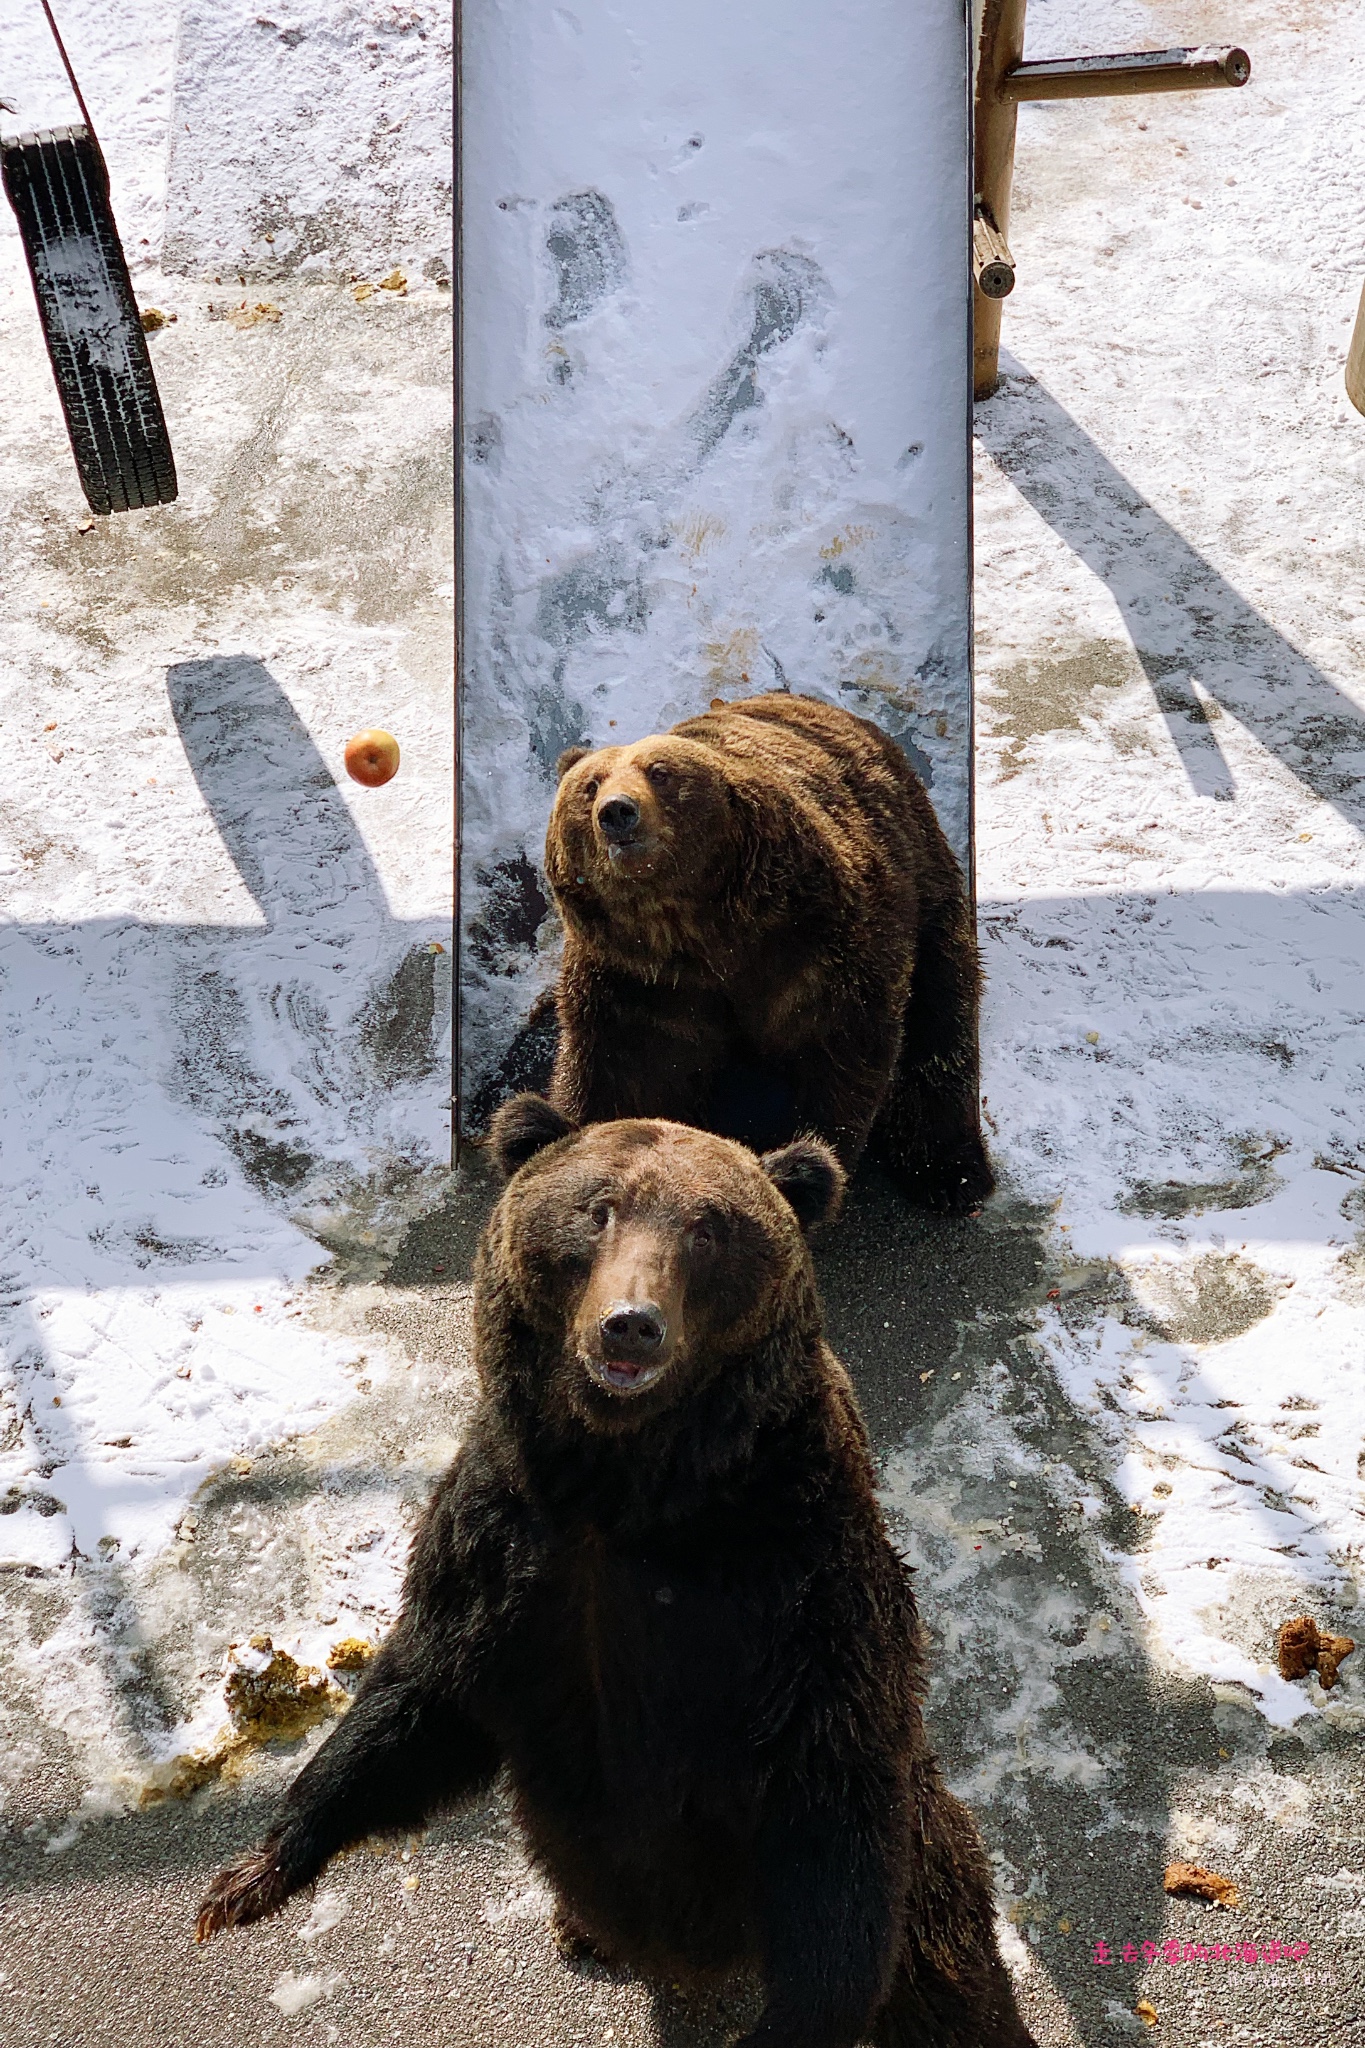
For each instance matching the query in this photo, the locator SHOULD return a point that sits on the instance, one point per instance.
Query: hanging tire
(59, 188)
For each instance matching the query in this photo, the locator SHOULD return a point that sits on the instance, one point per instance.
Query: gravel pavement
(447, 1941)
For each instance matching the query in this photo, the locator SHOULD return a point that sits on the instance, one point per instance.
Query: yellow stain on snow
(697, 532)
(732, 663)
(851, 537)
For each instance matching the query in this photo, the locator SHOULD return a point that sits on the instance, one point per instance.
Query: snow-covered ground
(1171, 776)
(1123, 1469)
(224, 969)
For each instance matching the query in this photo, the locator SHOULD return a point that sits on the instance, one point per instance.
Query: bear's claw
(250, 1889)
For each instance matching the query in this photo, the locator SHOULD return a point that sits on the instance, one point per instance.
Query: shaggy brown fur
(766, 933)
(656, 1588)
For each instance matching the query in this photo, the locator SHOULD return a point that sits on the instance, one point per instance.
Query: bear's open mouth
(625, 1375)
(629, 855)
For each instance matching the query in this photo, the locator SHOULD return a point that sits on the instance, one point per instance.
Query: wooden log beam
(992, 264)
(1139, 71)
(1003, 81)
(1000, 50)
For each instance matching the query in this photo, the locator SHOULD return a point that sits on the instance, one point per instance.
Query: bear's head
(645, 1260)
(657, 820)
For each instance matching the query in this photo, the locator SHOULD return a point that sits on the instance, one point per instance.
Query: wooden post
(1003, 80)
(1355, 361)
(1001, 47)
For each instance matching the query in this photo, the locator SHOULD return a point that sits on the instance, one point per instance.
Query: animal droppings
(272, 1698)
(352, 1653)
(1303, 1648)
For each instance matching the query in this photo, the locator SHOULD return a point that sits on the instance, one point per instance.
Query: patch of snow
(224, 970)
(99, 1802)
(316, 145)
(294, 1995)
(531, 1903)
(1014, 1950)
(1171, 815)
(329, 1910)
(124, 58)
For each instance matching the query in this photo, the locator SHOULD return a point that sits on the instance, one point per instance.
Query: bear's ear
(570, 758)
(523, 1127)
(810, 1177)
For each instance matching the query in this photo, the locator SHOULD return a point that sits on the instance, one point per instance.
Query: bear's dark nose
(634, 1329)
(618, 817)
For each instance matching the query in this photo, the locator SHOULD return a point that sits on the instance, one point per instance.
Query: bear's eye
(600, 1215)
(659, 775)
(704, 1233)
(591, 788)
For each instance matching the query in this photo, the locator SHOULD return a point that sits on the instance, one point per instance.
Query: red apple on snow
(372, 758)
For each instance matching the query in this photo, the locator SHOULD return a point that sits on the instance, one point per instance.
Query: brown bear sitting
(655, 1586)
(766, 934)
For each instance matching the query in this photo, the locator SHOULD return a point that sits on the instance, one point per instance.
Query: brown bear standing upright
(655, 1587)
(766, 933)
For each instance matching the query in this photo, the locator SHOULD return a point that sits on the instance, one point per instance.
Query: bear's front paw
(951, 1182)
(250, 1889)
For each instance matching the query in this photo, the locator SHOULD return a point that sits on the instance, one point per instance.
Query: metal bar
(66, 66)
(992, 263)
(1138, 71)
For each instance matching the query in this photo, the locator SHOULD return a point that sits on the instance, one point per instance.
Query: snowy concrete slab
(312, 140)
(716, 390)
(224, 980)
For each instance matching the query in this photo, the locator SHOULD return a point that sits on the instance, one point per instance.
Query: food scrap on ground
(272, 1698)
(1192, 1881)
(250, 316)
